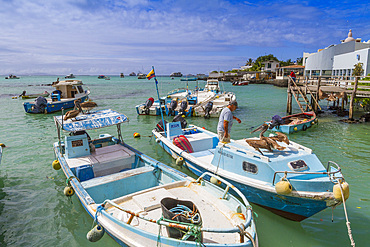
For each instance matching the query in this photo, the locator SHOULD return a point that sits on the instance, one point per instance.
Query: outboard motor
(160, 126)
(183, 106)
(148, 104)
(40, 105)
(208, 109)
(276, 122)
(171, 109)
(180, 119)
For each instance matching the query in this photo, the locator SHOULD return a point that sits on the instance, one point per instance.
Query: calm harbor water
(34, 211)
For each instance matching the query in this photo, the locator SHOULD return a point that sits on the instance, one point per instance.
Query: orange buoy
(136, 135)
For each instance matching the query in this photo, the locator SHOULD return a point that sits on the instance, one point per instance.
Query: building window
(269, 65)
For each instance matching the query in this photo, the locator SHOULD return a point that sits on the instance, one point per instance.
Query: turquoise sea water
(34, 211)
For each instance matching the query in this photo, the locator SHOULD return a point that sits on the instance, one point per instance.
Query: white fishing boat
(211, 100)
(287, 179)
(139, 201)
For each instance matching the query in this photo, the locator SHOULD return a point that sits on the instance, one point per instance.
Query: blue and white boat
(292, 182)
(296, 122)
(131, 196)
(64, 95)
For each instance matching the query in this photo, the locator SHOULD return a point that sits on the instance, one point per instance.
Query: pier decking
(334, 87)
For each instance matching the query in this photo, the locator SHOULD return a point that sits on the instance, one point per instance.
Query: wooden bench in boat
(105, 160)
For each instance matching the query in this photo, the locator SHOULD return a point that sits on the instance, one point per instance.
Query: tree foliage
(358, 70)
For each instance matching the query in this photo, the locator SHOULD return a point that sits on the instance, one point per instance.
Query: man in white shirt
(225, 122)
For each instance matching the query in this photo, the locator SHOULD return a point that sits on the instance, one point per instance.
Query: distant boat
(101, 77)
(70, 76)
(132, 74)
(176, 74)
(296, 122)
(141, 76)
(240, 83)
(139, 201)
(11, 77)
(122, 75)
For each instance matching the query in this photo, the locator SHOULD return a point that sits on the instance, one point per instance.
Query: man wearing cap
(226, 121)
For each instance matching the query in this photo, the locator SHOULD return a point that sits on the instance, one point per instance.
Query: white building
(270, 66)
(338, 60)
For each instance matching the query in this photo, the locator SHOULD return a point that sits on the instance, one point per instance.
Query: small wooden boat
(66, 92)
(290, 181)
(296, 122)
(139, 201)
(35, 95)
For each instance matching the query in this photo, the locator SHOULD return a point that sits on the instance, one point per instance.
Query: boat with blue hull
(291, 181)
(63, 97)
(139, 201)
(296, 122)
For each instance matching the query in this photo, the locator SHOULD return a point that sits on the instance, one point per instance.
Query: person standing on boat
(225, 122)
(292, 74)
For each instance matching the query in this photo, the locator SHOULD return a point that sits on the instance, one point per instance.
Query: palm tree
(249, 62)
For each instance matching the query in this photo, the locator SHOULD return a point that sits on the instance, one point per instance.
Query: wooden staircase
(301, 96)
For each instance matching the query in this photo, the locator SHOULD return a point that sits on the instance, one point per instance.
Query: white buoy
(95, 234)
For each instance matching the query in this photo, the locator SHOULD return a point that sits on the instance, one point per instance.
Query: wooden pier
(307, 93)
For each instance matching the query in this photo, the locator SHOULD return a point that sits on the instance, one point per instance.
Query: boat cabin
(212, 85)
(67, 89)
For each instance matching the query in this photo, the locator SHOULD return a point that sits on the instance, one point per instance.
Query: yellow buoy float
(69, 191)
(136, 135)
(283, 187)
(337, 191)
(214, 180)
(95, 234)
(2, 145)
(179, 161)
(56, 165)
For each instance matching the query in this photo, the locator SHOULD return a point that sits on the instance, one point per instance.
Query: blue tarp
(93, 120)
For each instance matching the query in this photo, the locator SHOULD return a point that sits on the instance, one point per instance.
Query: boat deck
(147, 203)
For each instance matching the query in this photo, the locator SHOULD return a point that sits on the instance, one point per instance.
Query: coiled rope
(347, 221)
(191, 215)
(247, 234)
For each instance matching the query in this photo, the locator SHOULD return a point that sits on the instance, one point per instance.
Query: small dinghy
(139, 201)
(293, 123)
(280, 175)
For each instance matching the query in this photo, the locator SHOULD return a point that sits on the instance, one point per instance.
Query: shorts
(222, 138)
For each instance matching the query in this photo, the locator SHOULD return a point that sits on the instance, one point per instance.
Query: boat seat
(115, 177)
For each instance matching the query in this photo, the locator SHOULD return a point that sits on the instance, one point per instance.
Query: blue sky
(110, 37)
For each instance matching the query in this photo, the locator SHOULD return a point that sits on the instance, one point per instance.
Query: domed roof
(349, 38)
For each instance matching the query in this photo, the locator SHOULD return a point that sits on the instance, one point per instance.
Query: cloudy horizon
(111, 37)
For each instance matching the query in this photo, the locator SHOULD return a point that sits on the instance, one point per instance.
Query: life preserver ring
(304, 127)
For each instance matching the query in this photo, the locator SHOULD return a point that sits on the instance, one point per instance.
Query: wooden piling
(289, 99)
(350, 117)
(317, 94)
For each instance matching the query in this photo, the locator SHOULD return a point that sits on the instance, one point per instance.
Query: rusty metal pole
(350, 117)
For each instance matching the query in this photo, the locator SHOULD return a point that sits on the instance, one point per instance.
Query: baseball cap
(234, 103)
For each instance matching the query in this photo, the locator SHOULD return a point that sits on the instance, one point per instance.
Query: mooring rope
(347, 221)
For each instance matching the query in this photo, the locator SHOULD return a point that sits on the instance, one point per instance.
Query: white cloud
(85, 35)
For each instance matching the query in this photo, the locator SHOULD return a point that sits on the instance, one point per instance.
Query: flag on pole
(151, 74)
